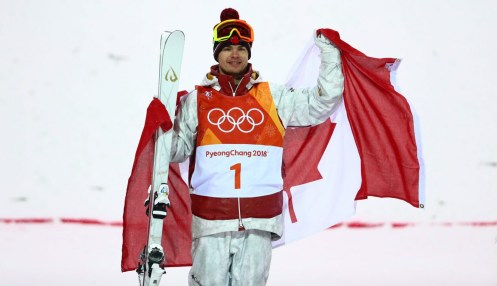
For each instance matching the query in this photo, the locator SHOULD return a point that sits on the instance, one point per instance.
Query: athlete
(232, 128)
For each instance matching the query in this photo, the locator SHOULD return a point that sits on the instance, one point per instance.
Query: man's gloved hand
(330, 80)
(321, 41)
(161, 202)
(329, 53)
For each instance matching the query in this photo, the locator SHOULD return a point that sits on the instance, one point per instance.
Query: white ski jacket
(295, 107)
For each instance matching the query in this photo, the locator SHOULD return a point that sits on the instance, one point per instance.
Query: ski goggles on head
(224, 30)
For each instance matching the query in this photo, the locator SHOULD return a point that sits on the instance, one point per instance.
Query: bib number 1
(238, 169)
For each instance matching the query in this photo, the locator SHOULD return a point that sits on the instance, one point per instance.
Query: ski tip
(173, 32)
(166, 34)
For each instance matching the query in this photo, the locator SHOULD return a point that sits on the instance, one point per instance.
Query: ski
(152, 259)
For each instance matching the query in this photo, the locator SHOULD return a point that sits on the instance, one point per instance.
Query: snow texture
(76, 78)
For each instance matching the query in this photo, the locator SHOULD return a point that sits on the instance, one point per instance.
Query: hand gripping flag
(369, 147)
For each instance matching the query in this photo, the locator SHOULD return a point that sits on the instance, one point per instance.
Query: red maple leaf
(303, 149)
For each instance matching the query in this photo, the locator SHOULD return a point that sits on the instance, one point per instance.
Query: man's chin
(233, 73)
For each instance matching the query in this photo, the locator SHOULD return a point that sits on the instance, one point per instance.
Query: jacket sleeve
(312, 106)
(185, 128)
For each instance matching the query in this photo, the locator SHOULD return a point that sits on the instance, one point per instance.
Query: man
(232, 128)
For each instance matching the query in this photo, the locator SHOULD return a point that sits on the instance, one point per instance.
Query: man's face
(233, 60)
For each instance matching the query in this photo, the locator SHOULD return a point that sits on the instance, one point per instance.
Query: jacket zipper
(240, 222)
(234, 92)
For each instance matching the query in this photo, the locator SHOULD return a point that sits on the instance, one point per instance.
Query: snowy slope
(76, 255)
(76, 77)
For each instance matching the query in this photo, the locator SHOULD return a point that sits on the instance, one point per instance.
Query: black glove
(161, 202)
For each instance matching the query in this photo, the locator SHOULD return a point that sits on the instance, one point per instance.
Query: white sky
(76, 78)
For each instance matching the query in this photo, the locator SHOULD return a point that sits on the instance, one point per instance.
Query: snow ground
(57, 254)
(76, 77)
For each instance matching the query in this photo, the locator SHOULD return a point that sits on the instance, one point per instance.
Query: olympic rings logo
(227, 122)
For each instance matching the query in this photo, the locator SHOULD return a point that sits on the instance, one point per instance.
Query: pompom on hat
(232, 31)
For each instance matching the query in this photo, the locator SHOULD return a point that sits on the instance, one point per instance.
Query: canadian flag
(369, 147)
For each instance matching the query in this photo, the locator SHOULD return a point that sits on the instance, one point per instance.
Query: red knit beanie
(229, 14)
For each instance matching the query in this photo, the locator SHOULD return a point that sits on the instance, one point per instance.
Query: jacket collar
(226, 84)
